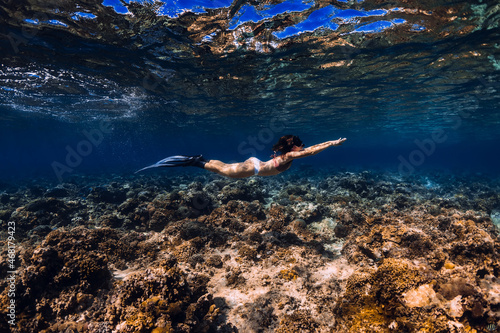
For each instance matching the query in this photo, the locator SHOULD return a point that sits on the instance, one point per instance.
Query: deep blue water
(100, 87)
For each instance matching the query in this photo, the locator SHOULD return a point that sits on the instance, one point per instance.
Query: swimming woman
(290, 147)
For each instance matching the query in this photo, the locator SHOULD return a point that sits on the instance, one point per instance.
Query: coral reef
(306, 252)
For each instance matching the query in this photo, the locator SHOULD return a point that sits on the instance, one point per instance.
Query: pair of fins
(177, 161)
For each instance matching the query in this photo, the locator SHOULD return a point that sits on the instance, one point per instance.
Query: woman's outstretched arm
(313, 150)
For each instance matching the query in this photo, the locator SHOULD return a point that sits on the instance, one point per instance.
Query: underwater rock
(41, 230)
(495, 218)
(278, 254)
(197, 203)
(5, 214)
(394, 277)
(68, 274)
(310, 212)
(277, 218)
(373, 298)
(342, 231)
(50, 205)
(358, 185)
(454, 288)
(110, 221)
(45, 211)
(129, 205)
(297, 190)
(107, 194)
(215, 261)
(4, 198)
(402, 201)
(161, 298)
(236, 214)
(299, 224)
(57, 192)
(241, 190)
(51, 275)
(193, 229)
(297, 322)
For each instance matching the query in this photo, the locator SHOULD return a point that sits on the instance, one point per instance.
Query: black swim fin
(179, 160)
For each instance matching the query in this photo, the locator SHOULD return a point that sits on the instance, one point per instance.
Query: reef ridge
(310, 251)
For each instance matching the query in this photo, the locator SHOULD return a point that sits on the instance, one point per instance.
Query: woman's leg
(233, 170)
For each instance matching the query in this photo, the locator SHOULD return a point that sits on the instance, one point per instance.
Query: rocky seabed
(309, 251)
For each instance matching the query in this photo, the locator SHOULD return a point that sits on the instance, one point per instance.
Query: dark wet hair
(286, 143)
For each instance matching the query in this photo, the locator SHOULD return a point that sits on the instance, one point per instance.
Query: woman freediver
(290, 147)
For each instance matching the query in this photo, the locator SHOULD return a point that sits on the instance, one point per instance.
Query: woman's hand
(338, 142)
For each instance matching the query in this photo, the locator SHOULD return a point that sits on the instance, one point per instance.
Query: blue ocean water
(395, 230)
(108, 87)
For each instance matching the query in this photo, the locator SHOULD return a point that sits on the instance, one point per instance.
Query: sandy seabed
(306, 251)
